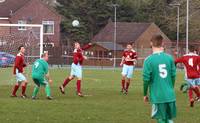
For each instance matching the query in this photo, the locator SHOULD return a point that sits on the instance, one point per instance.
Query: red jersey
(191, 62)
(78, 55)
(19, 63)
(129, 54)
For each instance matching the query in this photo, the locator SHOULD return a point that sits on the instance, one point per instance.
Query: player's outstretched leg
(24, 86)
(35, 92)
(197, 92)
(78, 87)
(66, 81)
(15, 88)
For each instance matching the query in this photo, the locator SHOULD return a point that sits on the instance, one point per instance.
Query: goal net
(28, 35)
(14, 35)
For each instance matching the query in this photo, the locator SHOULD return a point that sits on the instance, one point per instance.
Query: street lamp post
(177, 5)
(115, 32)
(187, 26)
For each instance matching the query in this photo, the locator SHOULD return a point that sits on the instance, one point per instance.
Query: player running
(19, 72)
(76, 68)
(191, 62)
(40, 76)
(159, 75)
(128, 62)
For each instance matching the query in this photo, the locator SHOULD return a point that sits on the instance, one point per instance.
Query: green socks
(48, 90)
(35, 91)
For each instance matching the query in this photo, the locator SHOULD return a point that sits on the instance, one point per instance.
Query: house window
(48, 27)
(105, 54)
(91, 53)
(110, 54)
(86, 53)
(100, 54)
(21, 27)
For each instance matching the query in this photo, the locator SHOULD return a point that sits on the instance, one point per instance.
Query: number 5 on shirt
(162, 70)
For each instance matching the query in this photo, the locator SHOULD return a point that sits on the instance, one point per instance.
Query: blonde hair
(44, 54)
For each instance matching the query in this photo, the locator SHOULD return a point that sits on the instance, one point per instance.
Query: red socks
(123, 84)
(78, 86)
(66, 81)
(24, 88)
(127, 86)
(190, 94)
(16, 87)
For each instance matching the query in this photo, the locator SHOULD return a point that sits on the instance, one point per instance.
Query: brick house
(130, 32)
(32, 12)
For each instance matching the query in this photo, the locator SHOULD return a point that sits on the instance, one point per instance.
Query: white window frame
(21, 27)
(49, 23)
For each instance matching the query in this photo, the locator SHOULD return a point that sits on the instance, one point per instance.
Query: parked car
(6, 59)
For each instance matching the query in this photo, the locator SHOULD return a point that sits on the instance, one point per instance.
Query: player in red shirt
(18, 71)
(76, 68)
(128, 62)
(192, 75)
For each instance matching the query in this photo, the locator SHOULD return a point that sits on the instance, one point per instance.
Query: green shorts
(164, 110)
(40, 82)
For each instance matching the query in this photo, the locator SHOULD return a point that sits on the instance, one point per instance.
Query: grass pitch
(104, 103)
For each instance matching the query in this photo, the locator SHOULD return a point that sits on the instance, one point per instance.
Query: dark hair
(129, 44)
(157, 40)
(19, 48)
(192, 48)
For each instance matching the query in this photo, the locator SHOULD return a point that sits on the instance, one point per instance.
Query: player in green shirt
(40, 76)
(159, 75)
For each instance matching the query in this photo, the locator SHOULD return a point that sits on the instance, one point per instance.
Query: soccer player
(40, 76)
(76, 68)
(128, 62)
(19, 72)
(191, 62)
(159, 74)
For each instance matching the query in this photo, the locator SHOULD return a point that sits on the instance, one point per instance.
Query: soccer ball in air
(75, 23)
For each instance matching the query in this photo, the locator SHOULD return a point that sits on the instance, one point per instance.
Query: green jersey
(159, 74)
(39, 69)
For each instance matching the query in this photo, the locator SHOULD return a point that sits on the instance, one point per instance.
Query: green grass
(105, 105)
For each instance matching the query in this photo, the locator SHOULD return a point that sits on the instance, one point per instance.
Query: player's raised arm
(86, 46)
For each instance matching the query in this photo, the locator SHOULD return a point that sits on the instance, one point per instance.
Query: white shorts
(19, 76)
(127, 70)
(76, 70)
(193, 82)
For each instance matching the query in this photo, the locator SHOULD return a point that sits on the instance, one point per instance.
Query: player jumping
(19, 72)
(128, 61)
(76, 68)
(191, 62)
(159, 75)
(40, 76)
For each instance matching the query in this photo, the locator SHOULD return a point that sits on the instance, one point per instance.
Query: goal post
(40, 26)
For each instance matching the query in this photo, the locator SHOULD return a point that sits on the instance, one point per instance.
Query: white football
(75, 23)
